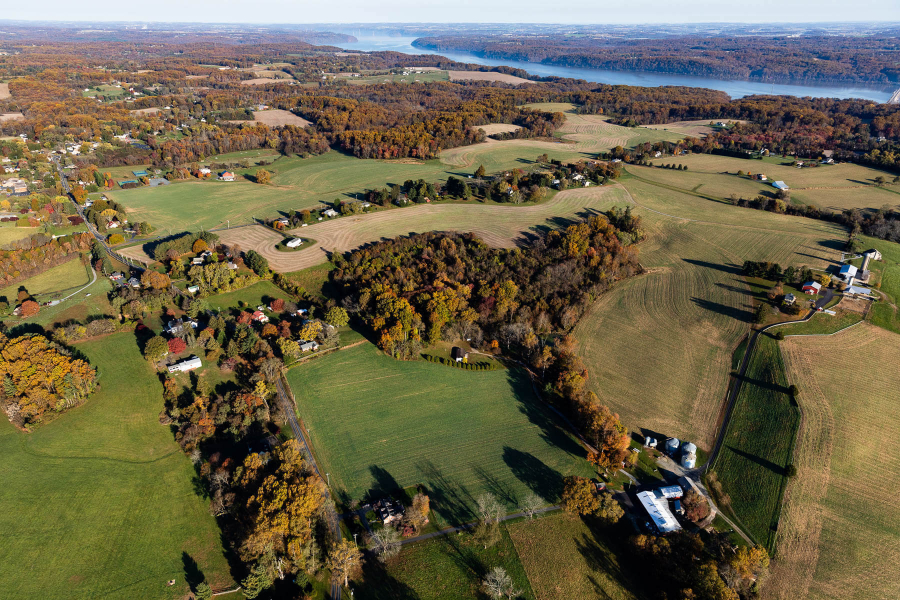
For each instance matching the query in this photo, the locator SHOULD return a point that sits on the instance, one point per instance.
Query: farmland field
(446, 568)
(485, 76)
(4, 91)
(886, 277)
(497, 224)
(61, 277)
(378, 424)
(565, 559)
(758, 443)
(99, 502)
(277, 118)
(682, 319)
(839, 525)
(11, 234)
(306, 183)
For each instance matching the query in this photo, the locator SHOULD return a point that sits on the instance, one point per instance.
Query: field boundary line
(827, 334)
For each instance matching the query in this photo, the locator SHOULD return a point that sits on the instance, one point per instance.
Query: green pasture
(10, 233)
(378, 424)
(758, 444)
(886, 276)
(251, 297)
(99, 502)
(822, 324)
(68, 275)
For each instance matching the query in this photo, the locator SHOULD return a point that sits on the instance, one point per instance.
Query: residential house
(789, 299)
(134, 282)
(197, 260)
(310, 346)
(389, 511)
(193, 289)
(186, 365)
(175, 327)
(117, 276)
(760, 177)
(282, 222)
(811, 287)
(226, 176)
(232, 266)
(205, 172)
(260, 317)
(330, 213)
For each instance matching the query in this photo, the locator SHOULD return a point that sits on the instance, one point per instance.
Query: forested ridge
(807, 59)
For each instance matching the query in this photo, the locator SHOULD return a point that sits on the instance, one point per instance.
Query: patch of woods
(37, 253)
(41, 378)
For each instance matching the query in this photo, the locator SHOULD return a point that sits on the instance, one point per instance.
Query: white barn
(294, 243)
(657, 507)
(186, 365)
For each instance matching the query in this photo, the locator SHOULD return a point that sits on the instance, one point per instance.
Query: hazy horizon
(320, 12)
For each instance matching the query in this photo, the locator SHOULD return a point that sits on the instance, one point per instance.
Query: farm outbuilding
(186, 365)
(847, 272)
(780, 185)
(811, 287)
(672, 445)
(688, 455)
(458, 354)
(657, 507)
(294, 243)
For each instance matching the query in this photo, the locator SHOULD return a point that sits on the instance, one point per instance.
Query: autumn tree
(38, 375)
(344, 561)
(479, 172)
(29, 308)
(579, 496)
(199, 246)
(177, 346)
(416, 516)
(696, 507)
(337, 316)
(155, 280)
(263, 177)
(155, 348)
(116, 238)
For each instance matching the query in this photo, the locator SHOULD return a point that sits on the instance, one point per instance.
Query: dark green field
(378, 424)
(758, 444)
(99, 503)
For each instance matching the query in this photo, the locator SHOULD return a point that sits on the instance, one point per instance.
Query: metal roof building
(658, 509)
(780, 185)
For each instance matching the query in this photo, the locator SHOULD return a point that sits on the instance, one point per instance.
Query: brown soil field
(277, 117)
(196, 76)
(492, 128)
(501, 226)
(485, 76)
(839, 526)
(137, 253)
(4, 91)
(257, 81)
(145, 111)
(16, 116)
(698, 128)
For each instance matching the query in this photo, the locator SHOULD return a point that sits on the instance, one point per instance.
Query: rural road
(287, 405)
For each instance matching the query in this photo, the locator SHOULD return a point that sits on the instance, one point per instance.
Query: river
(735, 89)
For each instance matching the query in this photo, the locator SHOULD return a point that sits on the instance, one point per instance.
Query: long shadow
(768, 464)
(383, 483)
(544, 481)
(732, 269)
(766, 385)
(378, 584)
(451, 501)
(723, 309)
(597, 549)
(496, 487)
(551, 429)
(465, 558)
(192, 573)
(833, 244)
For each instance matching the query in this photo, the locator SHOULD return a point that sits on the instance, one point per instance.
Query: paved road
(287, 405)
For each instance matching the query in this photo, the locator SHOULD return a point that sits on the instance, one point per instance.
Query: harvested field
(682, 319)
(278, 118)
(486, 76)
(145, 111)
(4, 91)
(259, 81)
(14, 116)
(839, 525)
(565, 559)
(135, 252)
(196, 76)
(492, 128)
(697, 128)
(502, 226)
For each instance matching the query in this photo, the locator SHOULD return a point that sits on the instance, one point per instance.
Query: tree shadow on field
(192, 573)
(723, 309)
(378, 584)
(450, 500)
(732, 269)
(595, 547)
(765, 463)
(544, 481)
(496, 487)
(383, 483)
(552, 430)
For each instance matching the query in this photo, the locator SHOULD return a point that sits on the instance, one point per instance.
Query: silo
(688, 455)
(672, 446)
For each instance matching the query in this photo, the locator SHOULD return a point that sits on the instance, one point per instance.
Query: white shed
(294, 243)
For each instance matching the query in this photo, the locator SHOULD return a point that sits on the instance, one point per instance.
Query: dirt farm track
(500, 226)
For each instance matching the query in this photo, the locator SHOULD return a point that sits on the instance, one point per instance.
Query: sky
(457, 11)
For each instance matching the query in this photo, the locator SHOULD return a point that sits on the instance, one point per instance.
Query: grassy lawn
(886, 277)
(252, 296)
(314, 279)
(100, 500)
(446, 568)
(10, 233)
(822, 324)
(90, 302)
(758, 444)
(69, 275)
(378, 424)
(564, 558)
(840, 515)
